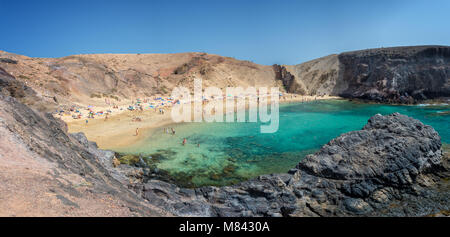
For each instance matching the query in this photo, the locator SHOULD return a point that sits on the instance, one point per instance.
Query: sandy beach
(119, 130)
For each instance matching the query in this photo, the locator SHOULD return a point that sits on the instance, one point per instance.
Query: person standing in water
(184, 141)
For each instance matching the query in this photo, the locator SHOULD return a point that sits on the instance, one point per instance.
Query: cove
(227, 153)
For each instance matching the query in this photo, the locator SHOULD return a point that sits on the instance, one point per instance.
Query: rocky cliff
(394, 166)
(391, 75)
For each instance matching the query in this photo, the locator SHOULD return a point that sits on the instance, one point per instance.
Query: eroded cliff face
(400, 74)
(390, 75)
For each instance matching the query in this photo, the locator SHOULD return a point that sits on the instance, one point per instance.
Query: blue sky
(265, 32)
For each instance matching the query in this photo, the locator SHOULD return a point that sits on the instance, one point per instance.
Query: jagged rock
(389, 149)
(357, 206)
(359, 173)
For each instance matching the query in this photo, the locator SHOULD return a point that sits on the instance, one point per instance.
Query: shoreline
(119, 130)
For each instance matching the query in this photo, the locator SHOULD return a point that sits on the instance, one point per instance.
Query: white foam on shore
(425, 105)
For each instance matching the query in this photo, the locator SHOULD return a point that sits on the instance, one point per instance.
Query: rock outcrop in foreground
(394, 166)
(46, 172)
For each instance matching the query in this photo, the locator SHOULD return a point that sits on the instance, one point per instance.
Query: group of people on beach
(169, 131)
(156, 103)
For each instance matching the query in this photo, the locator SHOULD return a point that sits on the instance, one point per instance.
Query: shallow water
(232, 152)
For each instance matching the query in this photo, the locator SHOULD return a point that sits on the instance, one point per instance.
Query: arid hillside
(391, 75)
(316, 77)
(82, 78)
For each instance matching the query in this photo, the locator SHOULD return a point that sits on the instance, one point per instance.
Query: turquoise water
(227, 153)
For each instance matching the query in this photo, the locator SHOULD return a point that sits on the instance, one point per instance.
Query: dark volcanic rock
(390, 150)
(390, 75)
(392, 167)
(382, 164)
(397, 75)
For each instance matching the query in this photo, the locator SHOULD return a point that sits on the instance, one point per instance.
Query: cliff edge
(390, 75)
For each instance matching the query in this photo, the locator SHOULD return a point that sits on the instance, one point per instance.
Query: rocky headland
(402, 75)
